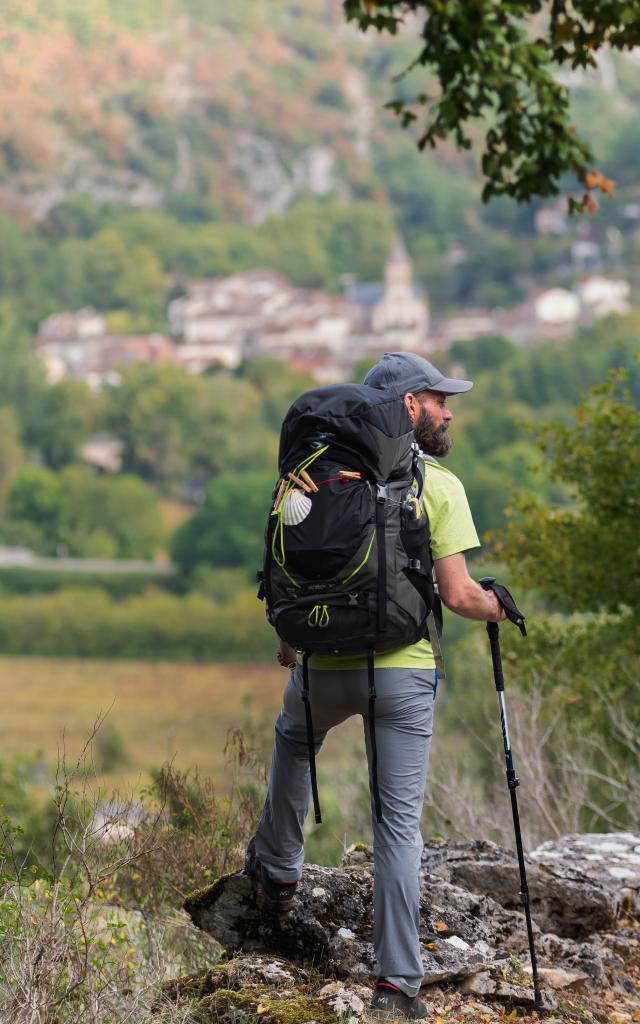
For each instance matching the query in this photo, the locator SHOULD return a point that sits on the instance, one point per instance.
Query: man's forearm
(472, 602)
(463, 595)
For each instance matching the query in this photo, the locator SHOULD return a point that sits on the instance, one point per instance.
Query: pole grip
(506, 602)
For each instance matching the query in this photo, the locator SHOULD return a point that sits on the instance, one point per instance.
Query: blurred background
(205, 209)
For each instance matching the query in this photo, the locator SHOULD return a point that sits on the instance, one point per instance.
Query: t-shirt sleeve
(450, 519)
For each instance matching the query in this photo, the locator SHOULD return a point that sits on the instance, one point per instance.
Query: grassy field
(159, 710)
(162, 711)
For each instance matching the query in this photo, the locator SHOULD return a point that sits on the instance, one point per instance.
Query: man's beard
(432, 440)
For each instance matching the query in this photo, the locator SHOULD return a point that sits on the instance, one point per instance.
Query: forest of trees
(212, 439)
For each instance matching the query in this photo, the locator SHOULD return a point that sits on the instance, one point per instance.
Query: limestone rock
(330, 925)
(472, 931)
(557, 978)
(348, 1001)
(564, 900)
(611, 861)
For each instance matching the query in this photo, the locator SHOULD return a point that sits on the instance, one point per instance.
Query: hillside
(243, 106)
(230, 113)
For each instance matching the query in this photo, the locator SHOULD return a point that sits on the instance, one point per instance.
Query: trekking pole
(512, 613)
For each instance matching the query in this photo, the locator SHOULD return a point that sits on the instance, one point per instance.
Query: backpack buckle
(382, 492)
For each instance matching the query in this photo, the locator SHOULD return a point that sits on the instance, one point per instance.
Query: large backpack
(347, 565)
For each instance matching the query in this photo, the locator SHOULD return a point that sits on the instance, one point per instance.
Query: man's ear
(411, 405)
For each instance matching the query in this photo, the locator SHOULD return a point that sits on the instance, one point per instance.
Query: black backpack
(347, 565)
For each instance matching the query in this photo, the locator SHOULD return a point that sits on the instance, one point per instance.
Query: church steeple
(398, 270)
(397, 251)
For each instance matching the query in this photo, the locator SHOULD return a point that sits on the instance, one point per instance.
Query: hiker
(405, 686)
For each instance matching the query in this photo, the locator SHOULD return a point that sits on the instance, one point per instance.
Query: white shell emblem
(295, 508)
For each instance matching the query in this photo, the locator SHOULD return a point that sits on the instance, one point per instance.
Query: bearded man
(406, 682)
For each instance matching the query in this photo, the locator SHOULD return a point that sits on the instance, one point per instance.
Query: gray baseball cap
(406, 371)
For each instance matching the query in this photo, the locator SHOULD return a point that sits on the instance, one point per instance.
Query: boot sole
(382, 1013)
(377, 1014)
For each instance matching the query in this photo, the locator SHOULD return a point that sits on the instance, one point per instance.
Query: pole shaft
(513, 783)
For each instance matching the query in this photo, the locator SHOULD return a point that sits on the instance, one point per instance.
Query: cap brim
(451, 386)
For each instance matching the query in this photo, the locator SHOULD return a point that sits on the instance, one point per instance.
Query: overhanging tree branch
(494, 63)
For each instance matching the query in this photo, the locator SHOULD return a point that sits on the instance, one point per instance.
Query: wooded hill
(224, 117)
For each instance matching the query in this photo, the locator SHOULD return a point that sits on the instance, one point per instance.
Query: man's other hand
(286, 654)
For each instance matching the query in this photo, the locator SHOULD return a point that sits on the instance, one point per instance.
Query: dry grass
(161, 710)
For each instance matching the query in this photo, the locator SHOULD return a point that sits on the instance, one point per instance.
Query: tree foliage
(83, 514)
(180, 430)
(585, 552)
(228, 531)
(495, 62)
(11, 453)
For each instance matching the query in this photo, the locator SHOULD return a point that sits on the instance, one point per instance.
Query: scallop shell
(296, 507)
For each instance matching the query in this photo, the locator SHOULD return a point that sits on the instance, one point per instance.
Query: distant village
(222, 321)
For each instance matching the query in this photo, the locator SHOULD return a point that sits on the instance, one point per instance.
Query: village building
(223, 321)
(102, 453)
(259, 312)
(556, 306)
(603, 296)
(227, 310)
(465, 325)
(79, 325)
(76, 344)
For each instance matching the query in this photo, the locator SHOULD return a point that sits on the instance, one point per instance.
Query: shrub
(155, 624)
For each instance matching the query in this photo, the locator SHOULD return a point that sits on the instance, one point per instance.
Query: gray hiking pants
(403, 720)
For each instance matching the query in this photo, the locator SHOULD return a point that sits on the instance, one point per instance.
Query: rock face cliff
(317, 963)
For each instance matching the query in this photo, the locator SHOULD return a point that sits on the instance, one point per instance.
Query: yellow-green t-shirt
(452, 531)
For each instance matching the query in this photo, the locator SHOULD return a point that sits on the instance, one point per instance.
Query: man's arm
(463, 595)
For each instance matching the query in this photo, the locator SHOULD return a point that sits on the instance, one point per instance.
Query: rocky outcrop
(566, 898)
(472, 928)
(612, 861)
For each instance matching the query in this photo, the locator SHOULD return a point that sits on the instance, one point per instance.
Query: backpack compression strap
(372, 734)
(381, 541)
(310, 740)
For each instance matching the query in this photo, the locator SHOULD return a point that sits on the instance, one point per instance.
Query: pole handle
(506, 602)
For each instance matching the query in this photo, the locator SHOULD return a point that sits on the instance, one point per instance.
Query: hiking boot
(389, 1002)
(275, 897)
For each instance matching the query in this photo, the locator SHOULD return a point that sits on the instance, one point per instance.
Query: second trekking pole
(512, 613)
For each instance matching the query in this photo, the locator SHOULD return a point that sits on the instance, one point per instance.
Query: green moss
(205, 896)
(235, 975)
(194, 986)
(226, 1003)
(300, 1009)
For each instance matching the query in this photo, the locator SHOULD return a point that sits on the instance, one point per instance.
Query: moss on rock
(229, 1005)
(243, 972)
(205, 896)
